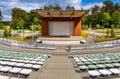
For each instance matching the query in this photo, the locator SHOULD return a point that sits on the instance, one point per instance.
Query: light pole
(32, 32)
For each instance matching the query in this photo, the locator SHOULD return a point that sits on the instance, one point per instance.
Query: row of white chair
(15, 70)
(108, 44)
(14, 43)
(7, 77)
(21, 65)
(34, 61)
(104, 72)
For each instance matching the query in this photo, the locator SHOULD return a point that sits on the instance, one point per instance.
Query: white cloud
(6, 7)
(88, 6)
(75, 3)
(7, 17)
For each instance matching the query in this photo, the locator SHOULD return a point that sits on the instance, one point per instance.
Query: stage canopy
(61, 13)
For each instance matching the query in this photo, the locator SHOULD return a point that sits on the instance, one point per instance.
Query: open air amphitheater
(22, 60)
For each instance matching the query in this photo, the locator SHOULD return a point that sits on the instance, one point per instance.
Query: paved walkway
(58, 67)
(61, 50)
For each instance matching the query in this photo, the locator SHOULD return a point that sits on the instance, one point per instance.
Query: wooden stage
(61, 40)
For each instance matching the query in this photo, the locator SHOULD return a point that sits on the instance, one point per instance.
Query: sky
(7, 5)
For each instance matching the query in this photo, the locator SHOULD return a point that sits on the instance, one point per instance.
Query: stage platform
(62, 40)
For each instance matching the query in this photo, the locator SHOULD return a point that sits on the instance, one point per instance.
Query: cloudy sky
(7, 5)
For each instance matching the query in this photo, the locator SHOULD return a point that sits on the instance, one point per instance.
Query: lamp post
(32, 32)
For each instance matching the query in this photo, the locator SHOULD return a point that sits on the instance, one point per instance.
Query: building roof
(60, 13)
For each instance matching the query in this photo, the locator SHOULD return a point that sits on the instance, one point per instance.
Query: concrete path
(58, 67)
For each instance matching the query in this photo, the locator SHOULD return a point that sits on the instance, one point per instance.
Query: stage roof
(61, 13)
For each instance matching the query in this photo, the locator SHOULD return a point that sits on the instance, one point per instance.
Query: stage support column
(77, 28)
(44, 26)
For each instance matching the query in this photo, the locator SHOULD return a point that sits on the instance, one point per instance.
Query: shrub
(1, 26)
(112, 26)
(85, 27)
(84, 34)
(112, 32)
(6, 34)
(101, 27)
(98, 26)
(107, 32)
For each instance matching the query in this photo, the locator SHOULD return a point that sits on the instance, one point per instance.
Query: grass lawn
(116, 30)
(20, 38)
(102, 39)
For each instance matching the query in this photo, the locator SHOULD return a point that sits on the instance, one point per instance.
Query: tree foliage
(21, 24)
(105, 16)
(69, 8)
(17, 15)
(52, 7)
(1, 17)
(115, 18)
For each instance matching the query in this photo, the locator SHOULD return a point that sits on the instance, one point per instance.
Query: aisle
(58, 67)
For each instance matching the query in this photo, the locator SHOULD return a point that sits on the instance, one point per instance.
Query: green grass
(116, 31)
(102, 39)
(20, 38)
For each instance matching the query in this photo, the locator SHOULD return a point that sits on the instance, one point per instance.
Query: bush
(98, 26)
(118, 26)
(107, 32)
(112, 32)
(6, 33)
(102, 27)
(112, 26)
(85, 27)
(1, 26)
(84, 34)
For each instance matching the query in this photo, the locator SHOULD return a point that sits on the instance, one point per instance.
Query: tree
(104, 18)
(94, 15)
(87, 19)
(21, 24)
(52, 7)
(17, 15)
(1, 17)
(108, 6)
(117, 7)
(46, 8)
(69, 8)
(57, 7)
(36, 21)
(95, 10)
(115, 18)
(112, 30)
